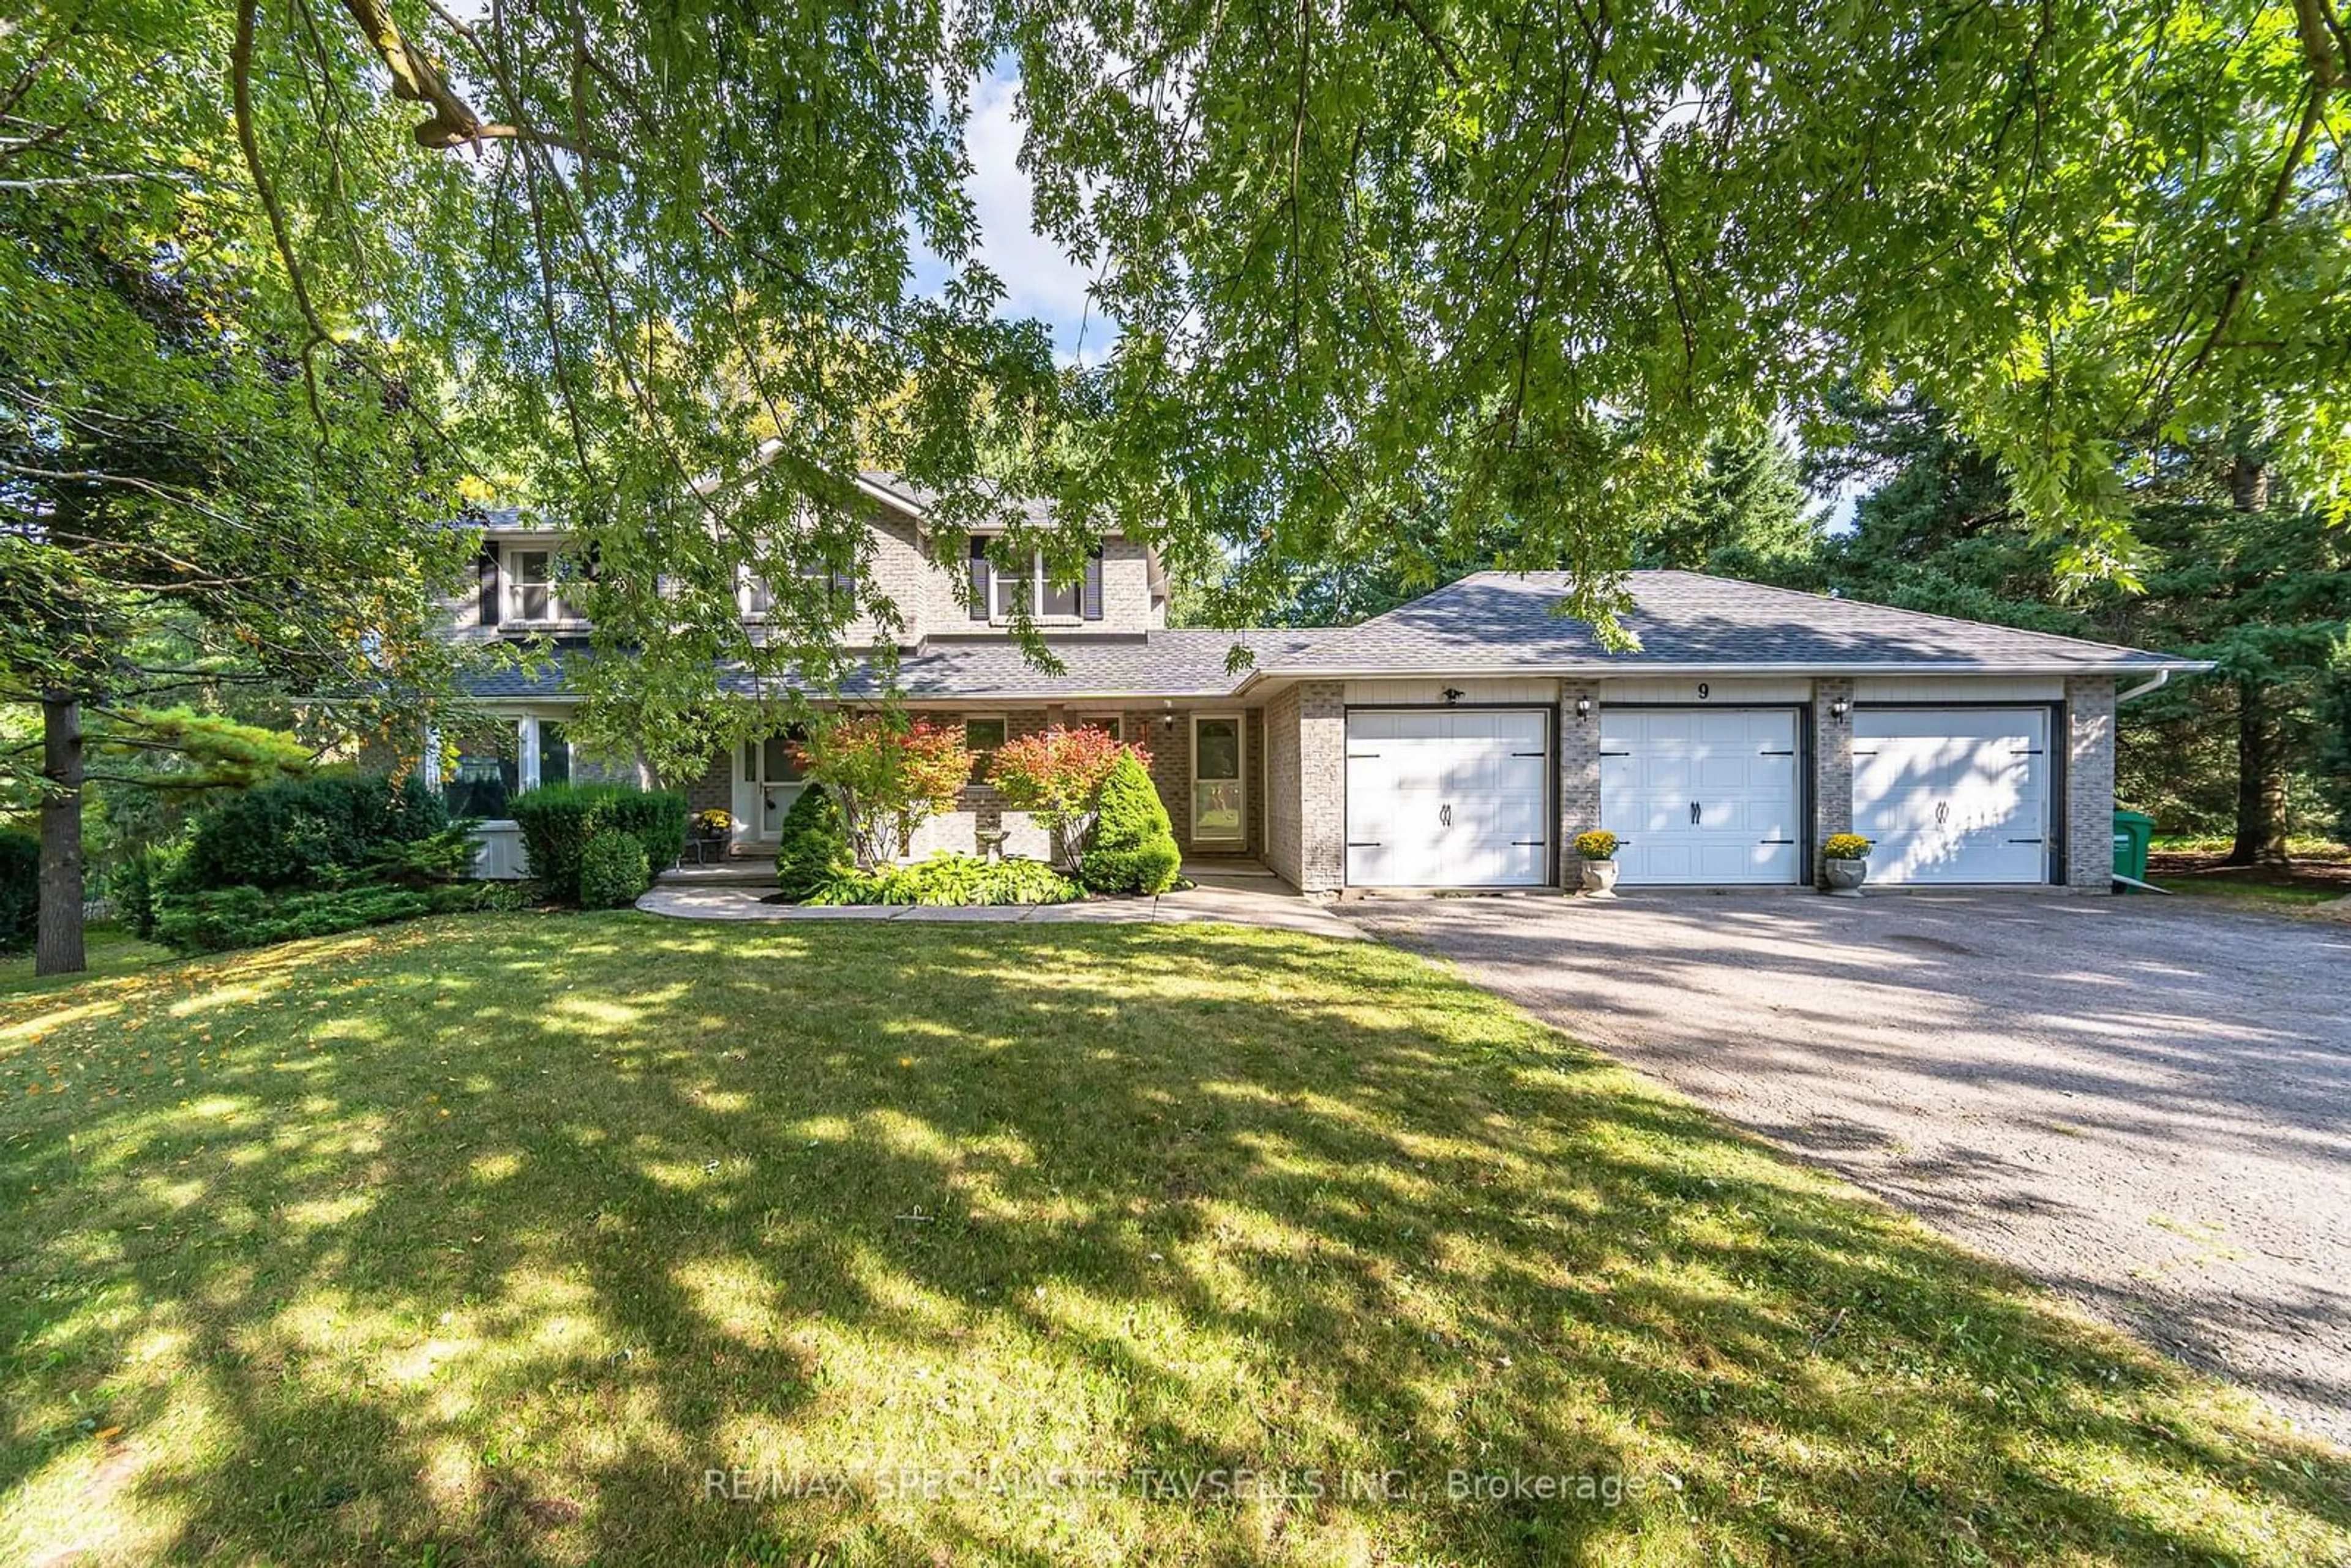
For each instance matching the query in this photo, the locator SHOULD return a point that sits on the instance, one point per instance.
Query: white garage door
(1953, 795)
(1449, 799)
(1702, 796)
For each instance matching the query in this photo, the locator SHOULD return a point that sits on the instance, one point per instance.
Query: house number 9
(1704, 691)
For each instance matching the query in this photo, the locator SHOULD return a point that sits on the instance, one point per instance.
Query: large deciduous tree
(199, 487)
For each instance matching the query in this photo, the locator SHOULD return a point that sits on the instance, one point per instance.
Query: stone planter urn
(1597, 850)
(1845, 862)
(1845, 877)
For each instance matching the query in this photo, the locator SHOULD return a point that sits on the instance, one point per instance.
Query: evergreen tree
(2260, 585)
(1746, 516)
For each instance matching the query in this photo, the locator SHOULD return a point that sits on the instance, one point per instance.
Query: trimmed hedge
(20, 889)
(612, 871)
(1135, 846)
(812, 847)
(948, 878)
(557, 821)
(311, 832)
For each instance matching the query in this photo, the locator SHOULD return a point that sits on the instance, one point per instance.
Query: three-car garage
(1717, 796)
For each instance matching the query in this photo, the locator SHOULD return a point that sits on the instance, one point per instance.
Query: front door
(767, 781)
(1219, 812)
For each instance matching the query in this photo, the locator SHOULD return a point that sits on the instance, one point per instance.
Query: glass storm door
(1216, 790)
(774, 778)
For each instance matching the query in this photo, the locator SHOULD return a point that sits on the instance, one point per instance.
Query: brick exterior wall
(713, 789)
(1282, 805)
(1322, 787)
(2089, 783)
(1831, 768)
(1579, 774)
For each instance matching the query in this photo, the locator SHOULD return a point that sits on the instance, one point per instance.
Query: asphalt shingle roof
(1506, 622)
(1177, 664)
(1491, 623)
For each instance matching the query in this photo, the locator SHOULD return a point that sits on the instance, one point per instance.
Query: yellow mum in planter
(1846, 847)
(1596, 845)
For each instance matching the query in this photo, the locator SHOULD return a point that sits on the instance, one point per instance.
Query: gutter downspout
(2161, 678)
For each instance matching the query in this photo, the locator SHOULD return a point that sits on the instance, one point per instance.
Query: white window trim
(1240, 777)
(1037, 582)
(560, 613)
(1116, 719)
(746, 583)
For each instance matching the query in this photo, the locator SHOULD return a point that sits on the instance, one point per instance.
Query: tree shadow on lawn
(489, 1240)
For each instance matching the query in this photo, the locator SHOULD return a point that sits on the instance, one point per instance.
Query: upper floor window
(1034, 593)
(759, 599)
(532, 589)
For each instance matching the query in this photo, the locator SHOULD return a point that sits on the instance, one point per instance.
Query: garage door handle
(1445, 816)
(1364, 843)
(1942, 811)
(1697, 811)
(2027, 841)
(1775, 841)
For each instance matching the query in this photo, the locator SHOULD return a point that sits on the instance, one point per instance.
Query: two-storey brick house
(1461, 740)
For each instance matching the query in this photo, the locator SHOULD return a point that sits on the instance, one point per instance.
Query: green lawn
(2259, 892)
(482, 1240)
(109, 950)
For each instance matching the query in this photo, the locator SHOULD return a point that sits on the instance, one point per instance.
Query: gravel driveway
(2144, 1102)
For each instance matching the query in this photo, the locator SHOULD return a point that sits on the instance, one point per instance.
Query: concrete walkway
(1232, 899)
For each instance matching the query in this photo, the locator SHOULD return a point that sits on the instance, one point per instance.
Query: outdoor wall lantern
(1452, 695)
(1582, 709)
(1839, 709)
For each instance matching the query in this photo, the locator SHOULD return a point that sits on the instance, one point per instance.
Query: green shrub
(612, 871)
(311, 832)
(443, 857)
(20, 889)
(135, 881)
(948, 878)
(813, 848)
(557, 821)
(1134, 844)
(213, 920)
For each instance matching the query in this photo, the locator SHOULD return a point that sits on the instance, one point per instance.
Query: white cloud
(1039, 278)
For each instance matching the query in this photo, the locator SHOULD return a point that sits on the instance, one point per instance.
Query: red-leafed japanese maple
(1056, 775)
(887, 776)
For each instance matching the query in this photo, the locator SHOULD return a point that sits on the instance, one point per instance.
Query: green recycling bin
(2134, 831)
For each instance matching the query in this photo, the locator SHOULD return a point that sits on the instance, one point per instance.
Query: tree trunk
(59, 950)
(2249, 483)
(2261, 781)
(2261, 739)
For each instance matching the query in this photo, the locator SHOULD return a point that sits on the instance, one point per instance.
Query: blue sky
(1041, 281)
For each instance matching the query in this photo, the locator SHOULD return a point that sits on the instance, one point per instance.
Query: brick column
(1322, 787)
(2090, 783)
(1579, 774)
(1831, 768)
